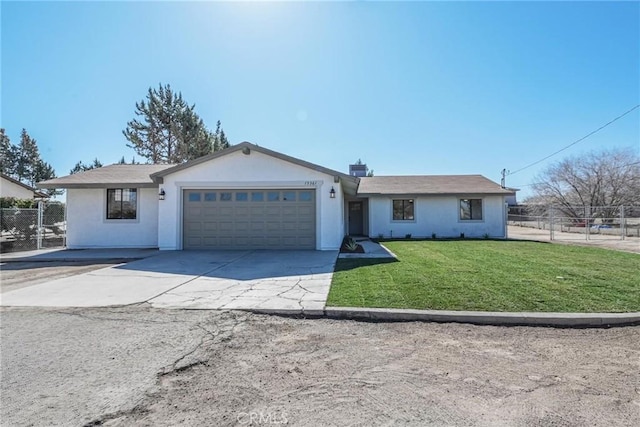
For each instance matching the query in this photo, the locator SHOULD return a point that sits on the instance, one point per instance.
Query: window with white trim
(122, 203)
(403, 210)
(471, 209)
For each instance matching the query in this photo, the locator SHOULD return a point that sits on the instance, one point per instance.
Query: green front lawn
(491, 276)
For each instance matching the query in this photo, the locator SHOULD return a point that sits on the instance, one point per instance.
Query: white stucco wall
(437, 214)
(87, 226)
(256, 170)
(11, 189)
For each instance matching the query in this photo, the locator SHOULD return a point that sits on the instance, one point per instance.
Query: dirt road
(139, 366)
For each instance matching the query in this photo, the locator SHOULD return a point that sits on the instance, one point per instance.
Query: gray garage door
(249, 219)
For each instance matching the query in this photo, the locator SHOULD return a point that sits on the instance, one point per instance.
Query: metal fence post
(586, 228)
(586, 223)
(551, 223)
(39, 226)
(64, 239)
(623, 231)
(506, 223)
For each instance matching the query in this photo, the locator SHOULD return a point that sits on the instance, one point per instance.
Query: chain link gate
(31, 229)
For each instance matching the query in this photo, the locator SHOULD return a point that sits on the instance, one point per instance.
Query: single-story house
(249, 197)
(10, 187)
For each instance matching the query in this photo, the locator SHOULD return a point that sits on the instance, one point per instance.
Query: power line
(575, 142)
(542, 182)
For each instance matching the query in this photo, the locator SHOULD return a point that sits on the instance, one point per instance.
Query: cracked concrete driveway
(288, 281)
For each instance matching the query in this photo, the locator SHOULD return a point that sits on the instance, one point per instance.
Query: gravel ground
(629, 244)
(149, 367)
(16, 275)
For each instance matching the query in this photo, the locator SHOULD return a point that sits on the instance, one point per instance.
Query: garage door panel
(194, 227)
(306, 227)
(225, 211)
(257, 241)
(273, 210)
(289, 210)
(195, 211)
(289, 226)
(257, 211)
(209, 226)
(271, 226)
(257, 226)
(272, 241)
(306, 211)
(209, 241)
(289, 241)
(225, 241)
(193, 241)
(241, 227)
(242, 241)
(306, 241)
(247, 219)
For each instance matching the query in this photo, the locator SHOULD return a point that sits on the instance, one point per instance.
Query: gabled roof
(248, 147)
(36, 193)
(430, 184)
(108, 176)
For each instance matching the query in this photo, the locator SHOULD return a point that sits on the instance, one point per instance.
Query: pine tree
(168, 130)
(8, 154)
(29, 166)
(122, 161)
(220, 141)
(81, 167)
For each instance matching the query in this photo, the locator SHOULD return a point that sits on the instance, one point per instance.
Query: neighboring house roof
(430, 184)
(35, 192)
(108, 176)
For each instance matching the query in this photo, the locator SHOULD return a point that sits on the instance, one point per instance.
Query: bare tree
(591, 185)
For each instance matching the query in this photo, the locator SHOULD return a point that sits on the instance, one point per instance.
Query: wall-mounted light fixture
(161, 194)
(332, 193)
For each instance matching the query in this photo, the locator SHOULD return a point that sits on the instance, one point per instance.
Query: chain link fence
(579, 222)
(29, 229)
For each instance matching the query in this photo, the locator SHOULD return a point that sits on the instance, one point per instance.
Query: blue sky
(411, 88)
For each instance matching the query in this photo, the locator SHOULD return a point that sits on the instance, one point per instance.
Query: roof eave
(413, 193)
(98, 185)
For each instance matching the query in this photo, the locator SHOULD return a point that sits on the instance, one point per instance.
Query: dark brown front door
(355, 219)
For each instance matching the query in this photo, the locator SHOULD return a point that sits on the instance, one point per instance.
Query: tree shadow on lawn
(346, 264)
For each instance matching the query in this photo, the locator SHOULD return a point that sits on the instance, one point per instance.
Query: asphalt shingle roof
(121, 175)
(140, 176)
(430, 184)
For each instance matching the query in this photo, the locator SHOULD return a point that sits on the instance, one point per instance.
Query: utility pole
(503, 180)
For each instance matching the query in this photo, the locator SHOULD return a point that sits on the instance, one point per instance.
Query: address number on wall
(311, 183)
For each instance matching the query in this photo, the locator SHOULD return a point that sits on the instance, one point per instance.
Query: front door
(355, 219)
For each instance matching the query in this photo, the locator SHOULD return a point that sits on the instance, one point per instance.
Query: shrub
(12, 202)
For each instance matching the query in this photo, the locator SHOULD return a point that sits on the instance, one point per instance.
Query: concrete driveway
(287, 281)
